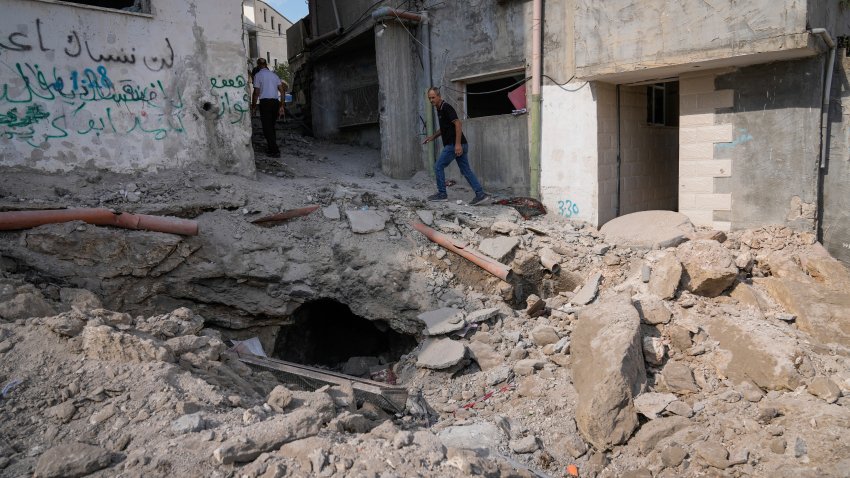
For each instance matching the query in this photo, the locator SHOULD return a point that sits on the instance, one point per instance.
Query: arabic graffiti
(233, 104)
(85, 102)
(21, 42)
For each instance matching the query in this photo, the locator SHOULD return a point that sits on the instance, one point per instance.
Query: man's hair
(435, 90)
(262, 62)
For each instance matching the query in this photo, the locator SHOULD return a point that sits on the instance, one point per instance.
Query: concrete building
(139, 87)
(265, 32)
(713, 109)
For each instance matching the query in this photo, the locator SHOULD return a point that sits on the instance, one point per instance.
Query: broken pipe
(492, 266)
(14, 220)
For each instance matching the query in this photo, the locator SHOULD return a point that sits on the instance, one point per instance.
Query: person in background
(269, 93)
(455, 148)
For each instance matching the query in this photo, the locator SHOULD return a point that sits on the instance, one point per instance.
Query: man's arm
(458, 136)
(434, 136)
(282, 89)
(254, 98)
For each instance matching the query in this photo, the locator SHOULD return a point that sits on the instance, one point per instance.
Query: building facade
(729, 112)
(140, 87)
(264, 33)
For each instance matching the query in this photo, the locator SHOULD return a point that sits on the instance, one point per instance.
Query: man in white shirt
(269, 92)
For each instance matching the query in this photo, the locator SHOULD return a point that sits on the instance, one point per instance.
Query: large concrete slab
(648, 229)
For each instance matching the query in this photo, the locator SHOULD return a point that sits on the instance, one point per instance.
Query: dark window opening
(275, 62)
(137, 6)
(272, 22)
(662, 104)
(253, 48)
(268, 58)
(278, 29)
(326, 333)
(490, 98)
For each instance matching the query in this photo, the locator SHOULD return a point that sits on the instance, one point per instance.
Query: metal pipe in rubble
(824, 122)
(492, 266)
(15, 220)
(536, 82)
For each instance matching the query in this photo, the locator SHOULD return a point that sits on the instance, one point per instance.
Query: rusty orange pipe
(14, 220)
(288, 214)
(490, 265)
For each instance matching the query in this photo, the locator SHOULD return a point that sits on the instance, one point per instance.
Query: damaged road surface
(649, 348)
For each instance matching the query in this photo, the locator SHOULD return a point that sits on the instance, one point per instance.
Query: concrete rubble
(654, 348)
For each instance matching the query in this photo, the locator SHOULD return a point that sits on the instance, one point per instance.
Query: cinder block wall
(649, 167)
(700, 128)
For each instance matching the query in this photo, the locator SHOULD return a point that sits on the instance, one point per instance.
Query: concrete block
(700, 119)
(716, 99)
(716, 168)
(699, 218)
(722, 226)
(696, 185)
(724, 133)
(713, 201)
(696, 151)
(696, 85)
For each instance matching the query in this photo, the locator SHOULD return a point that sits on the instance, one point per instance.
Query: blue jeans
(445, 159)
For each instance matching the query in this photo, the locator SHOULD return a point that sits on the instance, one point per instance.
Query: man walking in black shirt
(455, 147)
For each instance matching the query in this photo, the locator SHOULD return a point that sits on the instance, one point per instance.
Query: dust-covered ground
(707, 355)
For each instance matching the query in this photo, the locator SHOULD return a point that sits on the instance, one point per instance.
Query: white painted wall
(271, 37)
(568, 183)
(88, 87)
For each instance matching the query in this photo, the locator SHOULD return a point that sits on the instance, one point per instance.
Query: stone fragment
(102, 415)
(709, 268)
(534, 305)
(104, 343)
(750, 391)
(482, 315)
(402, 439)
(25, 305)
(608, 371)
(756, 350)
(179, 322)
(63, 411)
(80, 299)
(440, 353)
(365, 222)
(359, 366)
(679, 378)
(188, 424)
(680, 337)
(498, 247)
(485, 355)
(713, 453)
(648, 230)
(68, 324)
(656, 430)
(251, 441)
(654, 350)
(530, 386)
(279, 398)
(825, 389)
(331, 212)
(601, 249)
(777, 445)
(442, 321)
(524, 445)
(476, 436)
(666, 275)
(588, 291)
(567, 446)
(680, 408)
(499, 374)
(645, 273)
(426, 216)
(651, 404)
(527, 366)
(503, 227)
(652, 310)
(544, 335)
(347, 422)
(672, 456)
(801, 449)
(72, 460)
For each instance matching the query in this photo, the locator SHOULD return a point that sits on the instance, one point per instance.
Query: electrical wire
(524, 80)
(561, 85)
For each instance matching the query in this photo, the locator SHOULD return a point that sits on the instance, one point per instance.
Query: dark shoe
(479, 198)
(438, 197)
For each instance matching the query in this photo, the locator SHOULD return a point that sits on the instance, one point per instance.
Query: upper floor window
(137, 6)
(264, 15)
(278, 29)
(272, 22)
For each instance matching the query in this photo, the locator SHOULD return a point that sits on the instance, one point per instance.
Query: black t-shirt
(446, 115)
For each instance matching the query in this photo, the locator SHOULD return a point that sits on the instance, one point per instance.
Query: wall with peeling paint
(93, 87)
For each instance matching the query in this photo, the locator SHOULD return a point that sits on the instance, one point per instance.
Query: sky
(294, 10)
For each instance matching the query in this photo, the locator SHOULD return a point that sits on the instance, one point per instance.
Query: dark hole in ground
(326, 333)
